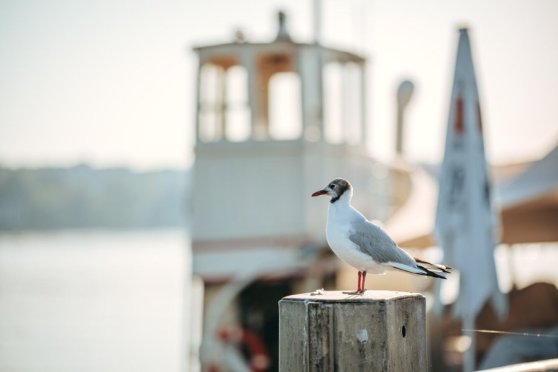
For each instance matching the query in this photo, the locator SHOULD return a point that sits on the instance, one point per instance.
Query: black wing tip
(443, 268)
(432, 273)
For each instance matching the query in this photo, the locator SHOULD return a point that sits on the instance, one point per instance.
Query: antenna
(317, 10)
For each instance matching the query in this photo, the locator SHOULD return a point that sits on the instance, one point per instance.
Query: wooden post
(333, 331)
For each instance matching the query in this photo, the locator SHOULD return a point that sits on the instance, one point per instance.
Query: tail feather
(431, 273)
(433, 267)
(422, 268)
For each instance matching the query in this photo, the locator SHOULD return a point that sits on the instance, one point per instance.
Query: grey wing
(373, 241)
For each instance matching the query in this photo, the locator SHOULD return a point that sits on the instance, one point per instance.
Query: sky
(111, 82)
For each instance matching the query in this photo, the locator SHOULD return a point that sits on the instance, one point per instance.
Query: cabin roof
(278, 45)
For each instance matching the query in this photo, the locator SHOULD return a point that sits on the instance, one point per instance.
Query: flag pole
(317, 13)
(470, 353)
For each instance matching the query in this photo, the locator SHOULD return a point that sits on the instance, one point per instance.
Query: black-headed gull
(364, 245)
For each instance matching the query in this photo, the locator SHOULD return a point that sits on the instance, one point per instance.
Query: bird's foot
(357, 292)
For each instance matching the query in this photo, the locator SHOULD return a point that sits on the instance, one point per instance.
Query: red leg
(360, 288)
(359, 281)
(363, 280)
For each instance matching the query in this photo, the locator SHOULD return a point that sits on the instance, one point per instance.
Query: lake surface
(119, 301)
(93, 301)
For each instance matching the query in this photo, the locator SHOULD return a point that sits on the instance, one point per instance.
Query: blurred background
(156, 162)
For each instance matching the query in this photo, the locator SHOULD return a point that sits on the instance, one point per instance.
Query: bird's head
(335, 189)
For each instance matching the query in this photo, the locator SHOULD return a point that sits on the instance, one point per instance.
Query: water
(93, 301)
(115, 301)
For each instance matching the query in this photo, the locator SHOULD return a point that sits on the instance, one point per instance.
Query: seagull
(363, 244)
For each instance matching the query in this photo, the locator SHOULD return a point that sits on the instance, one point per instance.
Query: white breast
(338, 230)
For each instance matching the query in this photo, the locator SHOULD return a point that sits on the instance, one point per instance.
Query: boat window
(211, 103)
(285, 114)
(333, 99)
(237, 108)
(342, 94)
(352, 103)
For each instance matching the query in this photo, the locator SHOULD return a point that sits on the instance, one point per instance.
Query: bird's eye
(332, 186)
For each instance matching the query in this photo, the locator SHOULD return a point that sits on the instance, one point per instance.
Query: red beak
(319, 192)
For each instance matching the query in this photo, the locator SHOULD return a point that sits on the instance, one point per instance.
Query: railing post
(333, 331)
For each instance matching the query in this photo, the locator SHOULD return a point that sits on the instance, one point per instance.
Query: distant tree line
(85, 197)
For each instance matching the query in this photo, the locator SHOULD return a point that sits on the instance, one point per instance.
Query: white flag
(466, 223)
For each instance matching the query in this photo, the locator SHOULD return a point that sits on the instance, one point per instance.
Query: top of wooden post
(339, 296)
(328, 331)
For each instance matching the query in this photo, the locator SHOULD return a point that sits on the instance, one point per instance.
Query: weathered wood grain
(333, 331)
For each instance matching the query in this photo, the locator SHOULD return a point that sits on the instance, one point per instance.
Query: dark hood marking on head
(343, 186)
